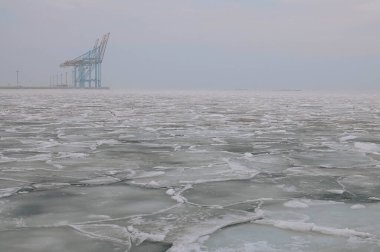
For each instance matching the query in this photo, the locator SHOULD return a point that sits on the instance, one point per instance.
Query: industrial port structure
(87, 68)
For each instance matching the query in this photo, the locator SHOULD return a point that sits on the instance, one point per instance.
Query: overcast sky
(198, 44)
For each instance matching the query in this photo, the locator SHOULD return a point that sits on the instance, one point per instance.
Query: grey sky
(206, 44)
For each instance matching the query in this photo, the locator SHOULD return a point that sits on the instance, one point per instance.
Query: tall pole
(66, 79)
(95, 78)
(72, 78)
(17, 77)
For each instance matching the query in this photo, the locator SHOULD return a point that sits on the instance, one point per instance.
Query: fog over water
(123, 171)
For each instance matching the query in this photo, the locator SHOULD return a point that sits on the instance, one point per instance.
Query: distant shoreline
(22, 87)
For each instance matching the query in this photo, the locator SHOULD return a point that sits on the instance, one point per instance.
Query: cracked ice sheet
(332, 159)
(267, 186)
(73, 204)
(183, 225)
(317, 146)
(222, 171)
(62, 239)
(351, 221)
(259, 238)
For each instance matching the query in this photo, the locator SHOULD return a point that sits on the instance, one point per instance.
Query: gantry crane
(87, 68)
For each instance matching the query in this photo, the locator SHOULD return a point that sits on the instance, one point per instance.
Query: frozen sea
(99, 171)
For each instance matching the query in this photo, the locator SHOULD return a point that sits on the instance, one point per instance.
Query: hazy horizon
(193, 44)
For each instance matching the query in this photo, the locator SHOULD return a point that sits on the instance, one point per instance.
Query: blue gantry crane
(87, 68)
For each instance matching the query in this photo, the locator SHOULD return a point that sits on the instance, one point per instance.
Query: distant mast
(17, 71)
(87, 68)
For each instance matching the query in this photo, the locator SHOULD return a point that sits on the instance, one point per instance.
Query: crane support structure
(87, 68)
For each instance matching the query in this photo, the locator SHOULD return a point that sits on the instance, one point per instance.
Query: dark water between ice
(186, 171)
